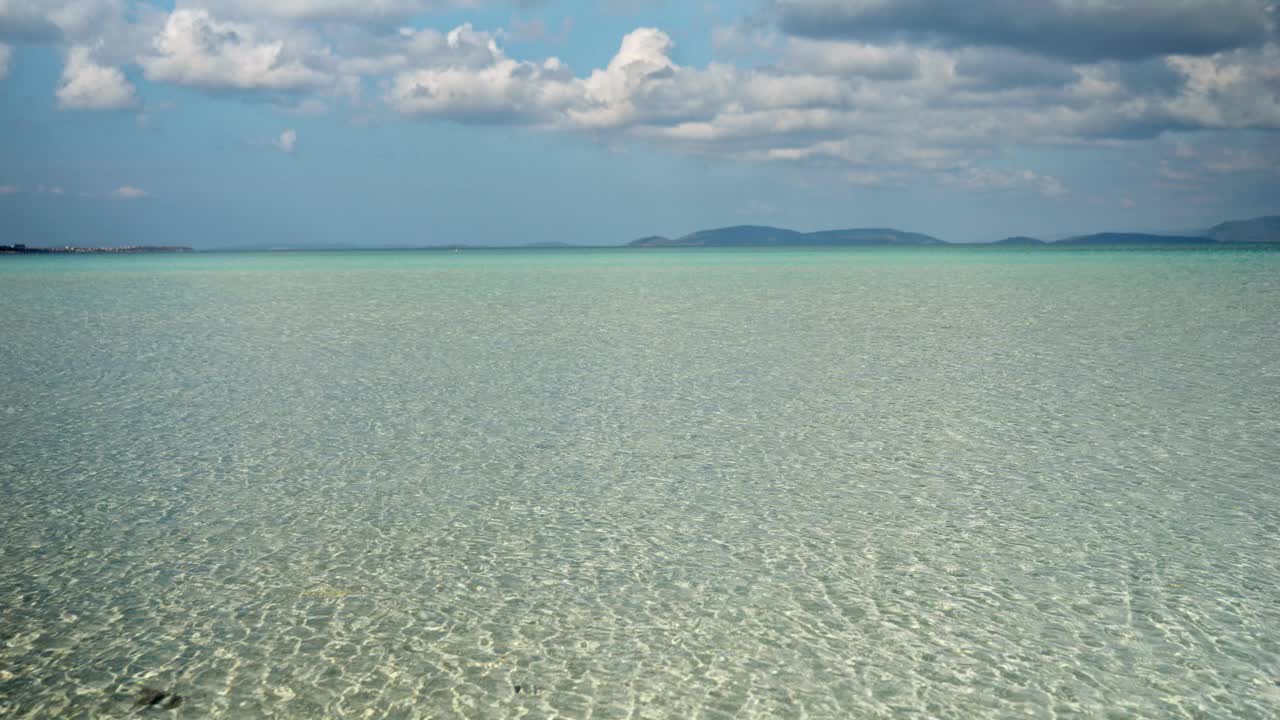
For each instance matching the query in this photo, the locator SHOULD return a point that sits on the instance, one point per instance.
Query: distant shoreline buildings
(20, 249)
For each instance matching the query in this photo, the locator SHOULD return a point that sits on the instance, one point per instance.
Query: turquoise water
(943, 483)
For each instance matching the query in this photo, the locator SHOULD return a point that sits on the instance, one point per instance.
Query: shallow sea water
(944, 483)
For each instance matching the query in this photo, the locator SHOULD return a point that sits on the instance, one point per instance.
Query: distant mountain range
(1263, 229)
(1258, 230)
(760, 235)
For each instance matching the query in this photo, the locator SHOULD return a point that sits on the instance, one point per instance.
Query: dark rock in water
(150, 697)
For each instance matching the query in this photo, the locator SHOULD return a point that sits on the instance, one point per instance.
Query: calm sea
(945, 483)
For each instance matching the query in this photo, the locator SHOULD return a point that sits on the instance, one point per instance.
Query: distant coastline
(20, 249)
(1262, 232)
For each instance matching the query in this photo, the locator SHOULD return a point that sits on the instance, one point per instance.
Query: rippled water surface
(944, 483)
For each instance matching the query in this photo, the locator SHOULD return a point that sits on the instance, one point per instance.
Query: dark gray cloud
(27, 24)
(1082, 30)
(1151, 77)
(998, 69)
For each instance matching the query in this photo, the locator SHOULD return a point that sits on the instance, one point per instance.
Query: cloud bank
(1082, 30)
(880, 90)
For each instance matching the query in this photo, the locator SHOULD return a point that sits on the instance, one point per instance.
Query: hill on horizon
(1020, 240)
(1262, 229)
(764, 235)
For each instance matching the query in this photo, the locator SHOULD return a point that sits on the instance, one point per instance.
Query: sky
(383, 123)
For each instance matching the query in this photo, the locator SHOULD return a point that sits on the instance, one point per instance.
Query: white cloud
(986, 179)
(48, 20)
(879, 112)
(612, 96)
(891, 62)
(86, 85)
(876, 108)
(1128, 203)
(1229, 161)
(195, 49)
(6, 57)
(471, 78)
(1213, 156)
(128, 192)
(49, 190)
(8, 189)
(1233, 90)
(287, 141)
(116, 29)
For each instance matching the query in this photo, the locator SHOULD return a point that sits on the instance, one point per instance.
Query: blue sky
(286, 123)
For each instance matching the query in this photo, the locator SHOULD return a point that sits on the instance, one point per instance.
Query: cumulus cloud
(86, 85)
(1233, 90)
(287, 141)
(128, 192)
(479, 83)
(116, 29)
(880, 91)
(193, 48)
(49, 190)
(468, 77)
(1075, 29)
(877, 110)
(642, 85)
(6, 57)
(8, 189)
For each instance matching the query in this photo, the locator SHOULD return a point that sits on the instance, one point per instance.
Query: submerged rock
(150, 697)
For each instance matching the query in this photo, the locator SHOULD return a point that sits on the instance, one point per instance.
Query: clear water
(943, 483)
